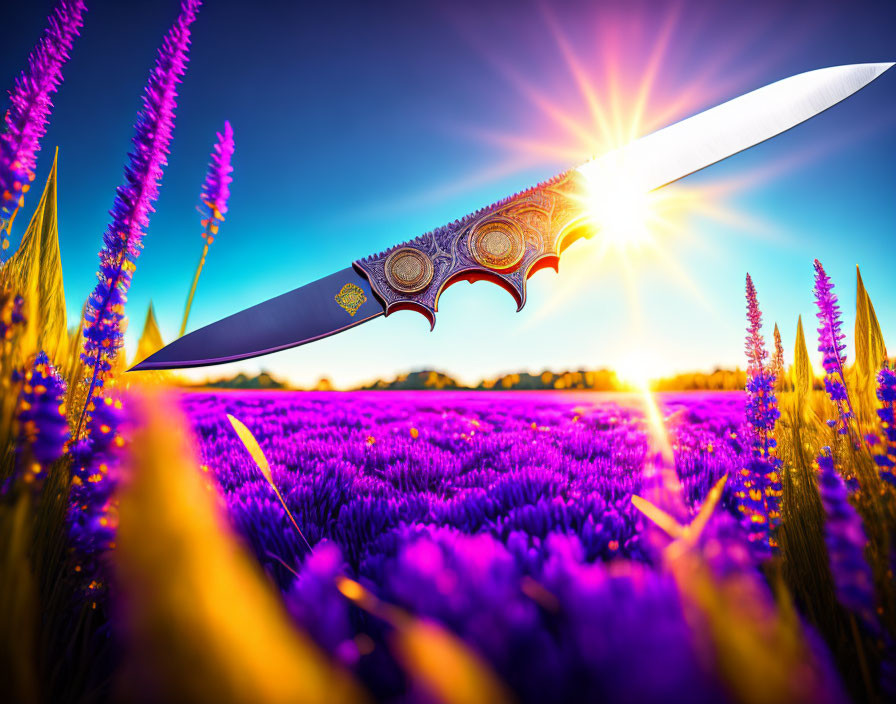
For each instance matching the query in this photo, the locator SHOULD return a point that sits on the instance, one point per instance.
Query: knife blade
(508, 241)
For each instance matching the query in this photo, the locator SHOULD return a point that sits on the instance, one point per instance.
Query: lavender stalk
(886, 394)
(43, 428)
(123, 240)
(760, 488)
(215, 193)
(830, 344)
(25, 123)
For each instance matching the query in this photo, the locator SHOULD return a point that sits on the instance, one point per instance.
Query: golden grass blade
(203, 623)
(445, 665)
(695, 529)
(251, 444)
(254, 449)
(877, 348)
(803, 378)
(863, 356)
(669, 525)
(871, 353)
(35, 271)
(440, 662)
(150, 339)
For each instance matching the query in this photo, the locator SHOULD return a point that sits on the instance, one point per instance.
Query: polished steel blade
(309, 313)
(674, 152)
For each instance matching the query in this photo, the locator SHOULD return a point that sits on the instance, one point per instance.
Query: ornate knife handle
(504, 243)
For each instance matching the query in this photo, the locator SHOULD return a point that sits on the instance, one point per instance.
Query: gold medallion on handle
(497, 244)
(408, 270)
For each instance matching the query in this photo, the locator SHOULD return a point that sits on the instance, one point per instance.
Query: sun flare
(613, 94)
(621, 214)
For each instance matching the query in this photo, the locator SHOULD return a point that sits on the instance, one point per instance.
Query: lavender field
(367, 470)
(506, 518)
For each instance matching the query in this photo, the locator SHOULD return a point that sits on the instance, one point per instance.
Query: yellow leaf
(151, 338)
(877, 350)
(201, 616)
(440, 662)
(445, 665)
(803, 378)
(669, 525)
(695, 529)
(871, 353)
(863, 358)
(251, 444)
(35, 271)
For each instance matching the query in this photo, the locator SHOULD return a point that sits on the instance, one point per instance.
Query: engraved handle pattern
(504, 243)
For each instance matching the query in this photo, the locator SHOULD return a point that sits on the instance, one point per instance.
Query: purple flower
(886, 393)
(43, 428)
(759, 487)
(93, 510)
(845, 538)
(30, 105)
(123, 240)
(215, 190)
(755, 344)
(830, 344)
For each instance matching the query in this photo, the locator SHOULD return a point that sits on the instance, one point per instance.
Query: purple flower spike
(43, 428)
(830, 344)
(30, 105)
(845, 538)
(886, 394)
(215, 190)
(123, 239)
(93, 509)
(759, 487)
(755, 344)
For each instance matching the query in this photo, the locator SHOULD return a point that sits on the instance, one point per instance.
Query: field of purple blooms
(505, 517)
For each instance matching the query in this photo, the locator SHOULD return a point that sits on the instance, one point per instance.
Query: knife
(507, 242)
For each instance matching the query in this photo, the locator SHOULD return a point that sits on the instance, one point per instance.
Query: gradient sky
(361, 125)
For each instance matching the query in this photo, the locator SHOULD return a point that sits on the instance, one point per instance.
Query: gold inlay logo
(351, 298)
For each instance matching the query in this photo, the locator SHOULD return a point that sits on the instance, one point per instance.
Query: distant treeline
(600, 380)
(581, 380)
(719, 380)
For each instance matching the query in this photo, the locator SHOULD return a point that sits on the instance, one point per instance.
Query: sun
(620, 213)
(635, 370)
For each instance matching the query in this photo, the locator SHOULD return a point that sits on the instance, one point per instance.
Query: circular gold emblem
(497, 244)
(408, 270)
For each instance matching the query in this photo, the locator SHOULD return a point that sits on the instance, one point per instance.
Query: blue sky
(361, 125)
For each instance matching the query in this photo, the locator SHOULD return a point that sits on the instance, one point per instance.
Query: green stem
(183, 325)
